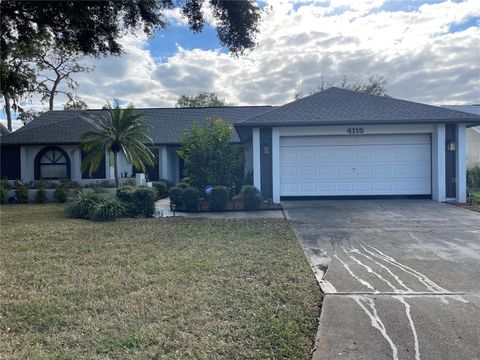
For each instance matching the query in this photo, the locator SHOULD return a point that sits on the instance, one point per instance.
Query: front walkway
(400, 277)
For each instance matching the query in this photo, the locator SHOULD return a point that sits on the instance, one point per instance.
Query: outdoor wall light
(451, 145)
(266, 149)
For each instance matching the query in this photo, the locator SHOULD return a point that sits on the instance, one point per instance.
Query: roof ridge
(171, 108)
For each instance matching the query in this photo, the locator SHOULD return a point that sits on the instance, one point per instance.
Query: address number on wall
(356, 130)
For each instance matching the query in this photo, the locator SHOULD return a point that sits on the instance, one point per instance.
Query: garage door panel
(345, 165)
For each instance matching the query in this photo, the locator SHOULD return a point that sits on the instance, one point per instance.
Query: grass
(152, 289)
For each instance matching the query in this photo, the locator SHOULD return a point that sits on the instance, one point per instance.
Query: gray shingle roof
(167, 124)
(4, 130)
(339, 106)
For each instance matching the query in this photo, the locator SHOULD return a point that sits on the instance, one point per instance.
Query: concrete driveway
(401, 277)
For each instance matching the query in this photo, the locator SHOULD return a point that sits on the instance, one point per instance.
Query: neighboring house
(473, 134)
(4, 130)
(333, 143)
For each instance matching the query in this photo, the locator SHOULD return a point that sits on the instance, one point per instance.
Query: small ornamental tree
(209, 156)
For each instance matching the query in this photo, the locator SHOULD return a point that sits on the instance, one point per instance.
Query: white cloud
(298, 44)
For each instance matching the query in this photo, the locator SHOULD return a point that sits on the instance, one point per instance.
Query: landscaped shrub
(191, 198)
(85, 202)
(101, 184)
(182, 185)
(473, 177)
(41, 196)
(21, 193)
(4, 184)
(251, 197)
(3, 195)
(60, 194)
(169, 183)
(176, 196)
(69, 184)
(143, 201)
(125, 193)
(161, 187)
(219, 198)
(107, 210)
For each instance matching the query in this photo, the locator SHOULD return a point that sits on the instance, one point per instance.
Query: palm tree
(119, 131)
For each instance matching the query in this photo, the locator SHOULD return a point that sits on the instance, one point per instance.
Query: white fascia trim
(368, 130)
(256, 158)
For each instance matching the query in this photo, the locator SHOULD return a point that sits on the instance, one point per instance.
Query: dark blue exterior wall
(10, 162)
(450, 161)
(100, 173)
(266, 163)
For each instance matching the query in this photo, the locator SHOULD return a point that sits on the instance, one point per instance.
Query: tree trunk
(52, 94)
(8, 111)
(115, 169)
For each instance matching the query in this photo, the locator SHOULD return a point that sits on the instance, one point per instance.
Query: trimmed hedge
(176, 197)
(161, 187)
(138, 201)
(41, 196)
(60, 194)
(251, 197)
(191, 198)
(219, 198)
(21, 194)
(3, 195)
(182, 185)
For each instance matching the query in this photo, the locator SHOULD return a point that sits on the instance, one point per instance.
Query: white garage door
(355, 165)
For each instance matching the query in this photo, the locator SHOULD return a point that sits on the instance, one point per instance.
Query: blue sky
(428, 50)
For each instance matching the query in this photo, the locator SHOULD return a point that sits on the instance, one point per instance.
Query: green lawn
(152, 289)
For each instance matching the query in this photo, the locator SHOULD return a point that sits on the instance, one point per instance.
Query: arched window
(52, 163)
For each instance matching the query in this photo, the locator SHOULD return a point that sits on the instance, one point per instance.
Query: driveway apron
(401, 277)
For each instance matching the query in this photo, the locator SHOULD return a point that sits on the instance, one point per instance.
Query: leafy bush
(41, 196)
(69, 184)
(182, 185)
(107, 210)
(85, 202)
(138, 200)
(209, 156)
(104, 184)
(473, 177)
(125, 193)
(143, 201)
(169, 183)
(191, 198)
(60, 194)
(21, 193)
(3, 195)
(219, 198)
(251, 197)
(176, 196)
(4, 184)
(161, 187)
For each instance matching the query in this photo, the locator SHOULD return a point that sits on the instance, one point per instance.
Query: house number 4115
(353, 131)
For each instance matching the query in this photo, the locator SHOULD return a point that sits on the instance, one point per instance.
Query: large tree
(202, 99)
(57, 64)
(374, 85)
(119, 131)
(96, 27)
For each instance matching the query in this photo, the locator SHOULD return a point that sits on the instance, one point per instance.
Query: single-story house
(333, 143)
(473, 134)
(4, 130)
